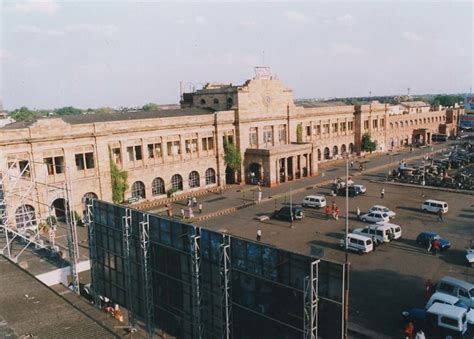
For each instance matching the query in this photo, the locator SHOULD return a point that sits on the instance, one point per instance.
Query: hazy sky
(92, 54)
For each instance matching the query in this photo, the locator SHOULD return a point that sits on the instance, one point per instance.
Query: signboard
(467, 120)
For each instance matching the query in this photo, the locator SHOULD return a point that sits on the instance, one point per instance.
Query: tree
(446, 100)
(232, 156)
(119, 181)
(151, 107)
(299, 133)
(69, 110)
(367, 144)
(104, 110)
(23, 114)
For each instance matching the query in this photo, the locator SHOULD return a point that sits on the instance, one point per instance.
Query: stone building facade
(182, 150)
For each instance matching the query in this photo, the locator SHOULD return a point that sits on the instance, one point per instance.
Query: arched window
(216, 101)
(87, 198)
(396, 124)
(343, 149)
(319, 154)
(194, 179)
(138, 190)
(326, 153)
(210, 176)
(230, 103)
(391, 125)
(25, 216)
(335, 151)
(177, 182)
(406, 123)
(411, 122)
(157, 186)
(401, 124)
(351, 148)
(203, 102)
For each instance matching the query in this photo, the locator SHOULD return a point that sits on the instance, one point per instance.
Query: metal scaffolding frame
(92, 252)
(127, 238)
(224, 264)
(147, 274)
(195, 240)
(311, 302)
(22, 181)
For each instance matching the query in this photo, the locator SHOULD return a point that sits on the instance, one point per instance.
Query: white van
(381, 233)
(458, 288)
(316, 201)
(434, 206)
(447, 319)
(396, 230)
(359, 243)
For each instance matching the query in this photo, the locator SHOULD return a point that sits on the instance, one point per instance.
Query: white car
(470, 254)
(383, 209)
(361, 188)
(375, 217)
(316, 201)
(444, 298)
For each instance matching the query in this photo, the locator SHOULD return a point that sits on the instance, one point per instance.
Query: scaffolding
(311, 302)
(20, 224)
(195, 277)
(224, 264)
(147, 274)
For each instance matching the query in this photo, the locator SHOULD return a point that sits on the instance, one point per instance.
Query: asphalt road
(390, 280)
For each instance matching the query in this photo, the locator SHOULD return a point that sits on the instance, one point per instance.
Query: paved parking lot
(392, 278)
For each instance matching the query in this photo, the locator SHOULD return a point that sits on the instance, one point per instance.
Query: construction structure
(21, 228)
(196, 283)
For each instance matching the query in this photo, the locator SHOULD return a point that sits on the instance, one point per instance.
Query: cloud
(104, 29)
(37, 30)
(296, 17)
(200, 20)
(5, 54)
(32, 62)
(410, 36)
(248, 23)
(343, 20)
(347, 49)
(49, 7)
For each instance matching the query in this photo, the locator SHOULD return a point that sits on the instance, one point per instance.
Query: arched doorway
(25, 216)
(59, 209)
(343, 149)
(326, 153)
(351, 148)
(254, 173)
(229, 176)
(335, 151)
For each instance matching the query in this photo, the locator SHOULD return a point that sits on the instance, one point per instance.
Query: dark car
(425, 238)
(285, 214)
(353, 191)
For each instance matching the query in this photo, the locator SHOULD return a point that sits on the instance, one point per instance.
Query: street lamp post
(291, 209)
(346, 263)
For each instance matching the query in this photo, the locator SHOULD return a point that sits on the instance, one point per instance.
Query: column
(285, 163)
(277, 171)
(300, 170)
(293, 167)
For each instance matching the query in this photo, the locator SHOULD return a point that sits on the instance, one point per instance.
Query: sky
(92, 54)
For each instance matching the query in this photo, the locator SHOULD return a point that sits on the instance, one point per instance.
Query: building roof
(27, 307)
(116, 116)
(414, 104)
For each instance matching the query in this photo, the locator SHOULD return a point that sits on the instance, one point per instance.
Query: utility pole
(346, 263)
(291, 209)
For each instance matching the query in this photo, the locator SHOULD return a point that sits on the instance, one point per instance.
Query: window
(253, 136)
(326, 129)
(230, 103)
(138, 152)
(194, 179)
(228, 138)
(138, 190)
(190, 146)
(210, 176)
(382, 123)
(308, 131)
(318, 129)
(463, 293)
(24, 166)
(375, 124)
(208, 144)
(173, 148)
(366, 124)
(116, 155)
(157, 186)
(267, 135)
(449, 321)
(443, 287)
(203, 102)
(134, 153)
(84, 160)
(177, 182)
(282, 133)
(350, 125)
(343, 126)
(216, 101)
(334, 128)
(154, 150)
(55, 165)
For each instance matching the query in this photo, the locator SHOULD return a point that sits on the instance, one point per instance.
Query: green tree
(299, 133)
(232, 156)
(446, 100)
(69, 110)
(367, 144)
(104, 110)
(23, 114)
(151, 107)
(119, 181)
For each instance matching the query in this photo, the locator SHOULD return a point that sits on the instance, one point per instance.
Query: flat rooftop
(27, 307)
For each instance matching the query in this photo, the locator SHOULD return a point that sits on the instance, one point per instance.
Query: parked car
(383, 209)
(379, 233)
(439, 321)
(426, 237)
(458, 288)
(395, 229)
(359, 243)
(360, 188)
(444, 298)
(352, 191)
(470, 254)
(434, 206)
(316, 201)
(375, 217)
(285, 213)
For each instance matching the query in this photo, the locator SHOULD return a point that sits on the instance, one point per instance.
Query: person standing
(336, 213)
(374, 243)
(191, 213)
(436, 246)
(182, 214)
(429, 289)
(420, 334)
(328, 212)
(409, 329)
(259, 234)
(352, 163)
(333, 210)
(440, 215)
(200, 208)
(194, 202)
(358, 213)
(382, 193)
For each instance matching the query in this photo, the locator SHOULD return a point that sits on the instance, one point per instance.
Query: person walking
(194, 202)
(183, 216)
(352, 163)
(374, 242)
(440, 215)
(430, 242)
(429, 289)
(336, 213)
(420, 334)
(328, 212)
(333, 210)
(259, 234)
(409, 329)
(436, 246)
(200, 208)
(382, 193)
(191, 213)
(358, 213)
